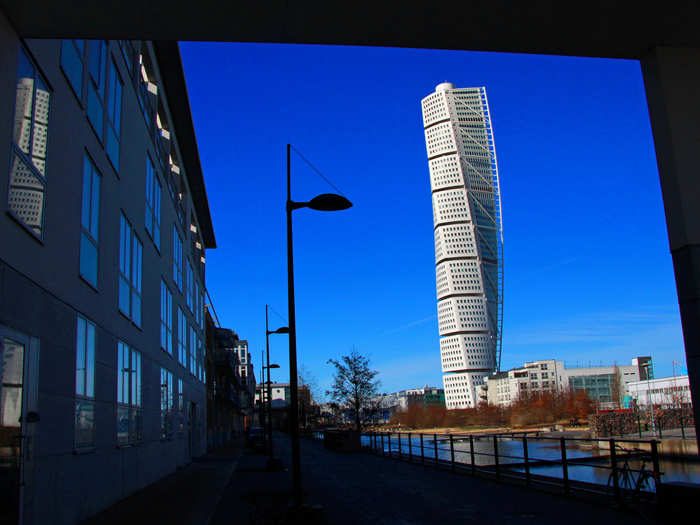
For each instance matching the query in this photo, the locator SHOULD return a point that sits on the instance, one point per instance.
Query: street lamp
(324, 202)
(648, 366)
(268, 402)
(281, 330)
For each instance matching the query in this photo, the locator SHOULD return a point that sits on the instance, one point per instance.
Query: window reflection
(11, 376)
(30, 131)
(84, 423)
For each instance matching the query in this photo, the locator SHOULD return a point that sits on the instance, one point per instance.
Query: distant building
(666, 392)
(280, 394)
(386, 405)
(230, 401)
(505, 387)
(599, 382)
(246, 371)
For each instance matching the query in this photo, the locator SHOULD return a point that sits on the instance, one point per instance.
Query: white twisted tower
(468, 238)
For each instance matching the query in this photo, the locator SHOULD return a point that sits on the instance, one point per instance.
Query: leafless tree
(354, 385)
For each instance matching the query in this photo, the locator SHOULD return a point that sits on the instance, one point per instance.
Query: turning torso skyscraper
(468, 238)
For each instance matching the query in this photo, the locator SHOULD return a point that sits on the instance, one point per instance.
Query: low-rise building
(386, 405)
(605, 384)
(665, 392)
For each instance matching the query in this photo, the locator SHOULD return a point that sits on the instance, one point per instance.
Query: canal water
(540, 450)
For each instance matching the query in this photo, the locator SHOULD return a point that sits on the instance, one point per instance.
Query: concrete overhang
(602, 28)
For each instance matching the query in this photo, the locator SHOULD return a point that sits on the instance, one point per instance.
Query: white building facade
(503, 388)
(598, 382)
(468, 238)
(667, 392)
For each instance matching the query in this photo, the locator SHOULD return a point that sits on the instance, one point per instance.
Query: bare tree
(308, 395)
(354, 385)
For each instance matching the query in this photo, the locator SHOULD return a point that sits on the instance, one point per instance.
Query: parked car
(256, 438)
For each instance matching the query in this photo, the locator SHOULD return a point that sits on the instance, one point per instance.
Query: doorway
(18, 413)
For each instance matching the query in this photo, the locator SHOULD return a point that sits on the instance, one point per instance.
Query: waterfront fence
(624, 469)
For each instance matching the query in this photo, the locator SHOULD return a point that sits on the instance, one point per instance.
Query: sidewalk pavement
(354, 489)
(185, 497)
(233, 487)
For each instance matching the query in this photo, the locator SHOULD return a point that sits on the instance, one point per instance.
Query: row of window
(129, 392)
(94, 78)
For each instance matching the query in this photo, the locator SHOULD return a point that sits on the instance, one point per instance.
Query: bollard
(657, 471)
(613, 464)
(527, 464)
(382, 438)
(410, 448)
(452, 453)
(399, 434)
(639, 425)
(682, 427)
(495, 457)
(435, 444)
(564, 466)
(422, 452)
(471, 453)
(389, 440)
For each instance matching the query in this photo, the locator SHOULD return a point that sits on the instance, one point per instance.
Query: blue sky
(588, 274)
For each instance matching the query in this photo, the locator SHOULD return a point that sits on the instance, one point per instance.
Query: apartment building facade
(606, 385)
(104, 222)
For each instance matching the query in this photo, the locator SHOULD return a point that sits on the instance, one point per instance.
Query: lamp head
(329, 202)
(281, 330)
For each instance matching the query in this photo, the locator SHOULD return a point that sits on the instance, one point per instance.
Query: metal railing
(569, 465)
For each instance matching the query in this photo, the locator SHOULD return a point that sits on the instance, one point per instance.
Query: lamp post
(281, 330)
(268, 402)
(323, 202)
(649, 366)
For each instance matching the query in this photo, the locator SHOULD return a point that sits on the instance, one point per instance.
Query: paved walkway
(361, 488)
(231, 486)
(187, 496)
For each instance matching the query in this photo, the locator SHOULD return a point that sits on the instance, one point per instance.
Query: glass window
(190, 287)
(166, 318)
(114, 109)
(84, 383)
(181, 337)
(153, 191)
(97, 85)
(177, 259)
(166, 403)
(193, 351)
(130, 260)
(195, 302)
(129, 417)
(201, 309)
(29, 140)
(72, 63)
(90, 222)
(130, 52)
